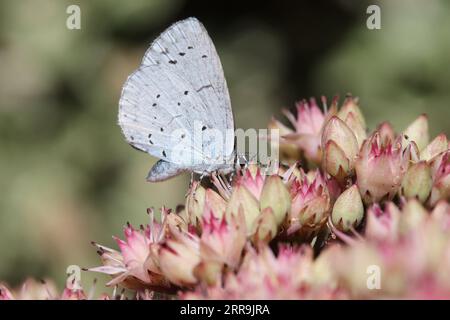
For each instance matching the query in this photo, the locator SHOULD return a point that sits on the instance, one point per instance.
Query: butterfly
(176, 105)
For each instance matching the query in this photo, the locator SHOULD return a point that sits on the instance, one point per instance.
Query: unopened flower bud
(195, 202)
(340, 149)
(435, 147)
(208, 272)
(348, 211)
(253, 180)
(214, 203)
(351, 114)
(417, 181)
(417, 131)
(242, 199)
(413, 215)
(5, 293)
(386, 133)
(382, 225)
(311, 205)
(265, 227)
(441, 178)
(178, 258)
(380, 168)
(276, 196)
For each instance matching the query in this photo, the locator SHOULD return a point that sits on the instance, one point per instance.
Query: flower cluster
(348, 212)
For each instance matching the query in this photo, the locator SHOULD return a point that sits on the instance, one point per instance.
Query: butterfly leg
(192, 178)
(204, 174)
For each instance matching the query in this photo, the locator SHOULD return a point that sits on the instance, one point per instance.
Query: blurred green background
(66, 174)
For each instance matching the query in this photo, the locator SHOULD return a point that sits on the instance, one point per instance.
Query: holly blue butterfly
(176, 105)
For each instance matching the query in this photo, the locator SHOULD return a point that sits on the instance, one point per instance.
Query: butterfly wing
(180, 83)
(186, 49)
(157, 114)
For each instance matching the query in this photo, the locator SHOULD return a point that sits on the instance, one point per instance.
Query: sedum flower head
(316, 229)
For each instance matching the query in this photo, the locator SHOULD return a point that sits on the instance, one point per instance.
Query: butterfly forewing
(179, 85)
(186, 49)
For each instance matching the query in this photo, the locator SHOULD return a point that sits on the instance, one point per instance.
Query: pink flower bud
(178, 257)
(380, 169)
(382, 225)
(253, 180)
(308, 126)
(386, 133)
(135, 250)
(311, 205)
(223, 240)
(441, 179)
(5, 293)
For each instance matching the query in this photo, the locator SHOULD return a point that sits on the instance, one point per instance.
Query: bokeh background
(66, 174)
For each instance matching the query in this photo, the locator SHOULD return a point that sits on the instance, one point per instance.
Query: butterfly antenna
(192, 178)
